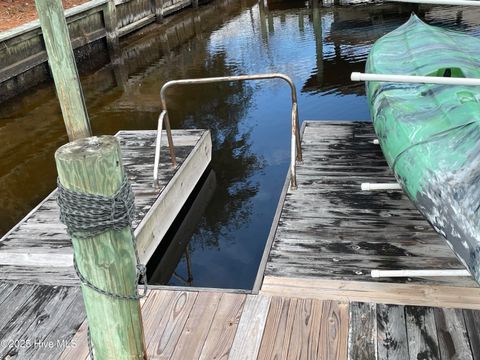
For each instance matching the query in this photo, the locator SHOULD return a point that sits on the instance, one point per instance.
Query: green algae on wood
(430, 134)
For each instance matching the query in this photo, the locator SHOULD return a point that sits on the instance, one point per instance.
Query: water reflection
(176, 244)
(222, 109)
(317, 46)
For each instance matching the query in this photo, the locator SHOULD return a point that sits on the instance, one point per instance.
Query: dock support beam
(64, 70)
(94, 166)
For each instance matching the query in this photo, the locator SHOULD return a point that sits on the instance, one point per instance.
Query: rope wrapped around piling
(88, 215)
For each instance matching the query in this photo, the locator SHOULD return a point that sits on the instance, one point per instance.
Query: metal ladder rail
(295, 147)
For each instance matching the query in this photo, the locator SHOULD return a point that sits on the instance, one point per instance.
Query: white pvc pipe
(442, 2)
(356, 76)
(418, 273)
(380, 186)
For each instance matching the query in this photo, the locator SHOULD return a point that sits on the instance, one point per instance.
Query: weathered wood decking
(38, 321)
(41, 306)
(213, 325)
(38, 249)
(330, 234)
(309, 307)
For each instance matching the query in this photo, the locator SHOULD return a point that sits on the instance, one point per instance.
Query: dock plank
(421, 333)
(392, 343)
(77, 349)
(371, 291)
(224, 326)
(362, 339)
(153, 311)
(452, 334)
(197, 327)
(248, 338)
(304, 337)
(5, 290)
(17, 299)
(170, 327)
(472, 322)
(55, 326)
(334, 331)
(278, 328)
(315, 330)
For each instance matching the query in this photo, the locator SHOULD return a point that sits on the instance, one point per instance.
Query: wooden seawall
(94, 27)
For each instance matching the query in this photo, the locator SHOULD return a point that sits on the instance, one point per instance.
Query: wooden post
(263, 21)
(63, 67)
(94, 165)
(111, 27)
(317, 31)
(271, 28)
(158, 8)
(116, 57)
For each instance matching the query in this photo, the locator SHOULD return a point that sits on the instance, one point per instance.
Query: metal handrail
(295, 147)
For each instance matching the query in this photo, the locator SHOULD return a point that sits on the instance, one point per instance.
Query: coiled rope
(87, 216)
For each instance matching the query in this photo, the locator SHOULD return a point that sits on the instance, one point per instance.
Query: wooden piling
(158, 8)
(64, 70)
(111, 27)
(93, 165)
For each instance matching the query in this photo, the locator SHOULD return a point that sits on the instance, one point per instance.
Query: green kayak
(430, 134)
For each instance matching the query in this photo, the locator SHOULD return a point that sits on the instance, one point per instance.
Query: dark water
(221, 239)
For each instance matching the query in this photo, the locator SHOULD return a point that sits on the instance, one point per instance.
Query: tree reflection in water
(317, 46)
(221, 108)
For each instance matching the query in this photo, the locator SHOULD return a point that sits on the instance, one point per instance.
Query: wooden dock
(315, 299)
(208, 325)
(330, 234)
(41, 305)
(38, 249)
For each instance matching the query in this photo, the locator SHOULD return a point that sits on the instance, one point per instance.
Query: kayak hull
(430, 134)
